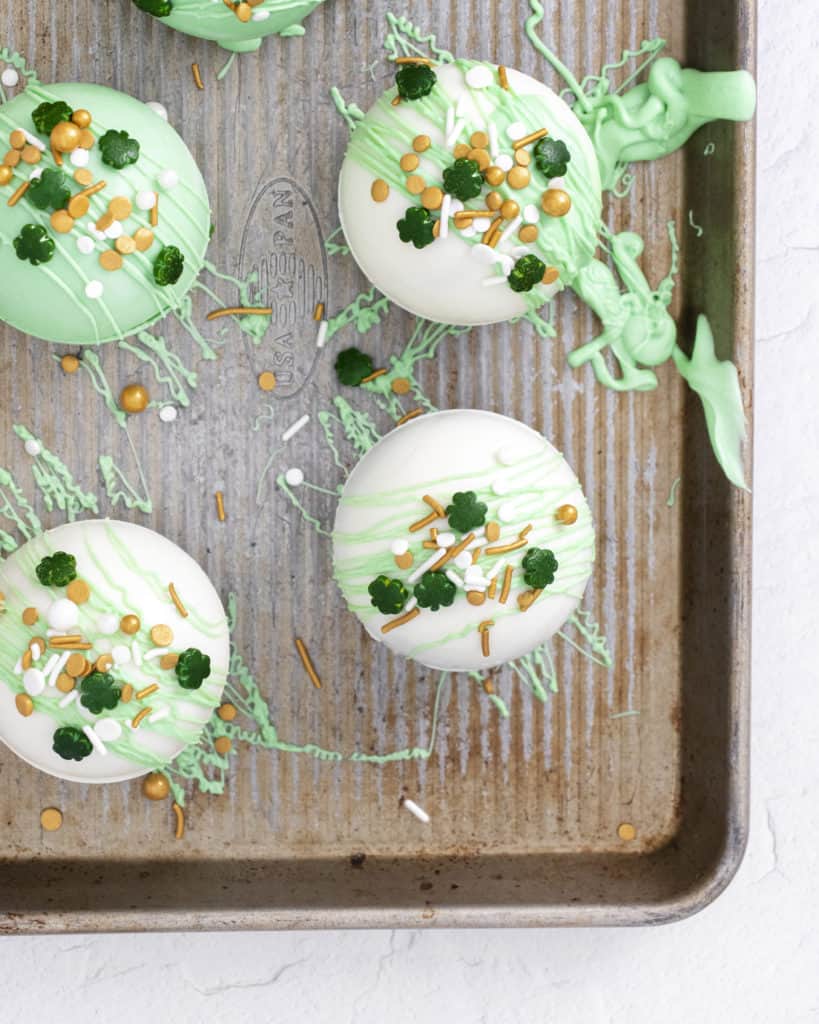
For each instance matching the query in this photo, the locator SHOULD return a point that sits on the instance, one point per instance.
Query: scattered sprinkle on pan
(318, 312)
(373, 376)
(409, 416)
(179, 814)
(215, 314)
(415, 810)
(221, 515)
(308, 664)
(197, 76)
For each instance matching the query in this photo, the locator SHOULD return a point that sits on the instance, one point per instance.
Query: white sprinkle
(510, 229)
(480, 224)
(146, 199)
(516, 131)
(57, 668)
(463, 560)
(410, 805)
(474, 577)
(399, 547)
(321, 336)
(69, 698)
(168, 413)
(94, 290)
(419, 571)
(450, 120)
(108, 729)
(496, 568)
(479, 77)
(79, 157)
(508, 455)
(484, 253)
(445, 540)
(36, 653)
(121, 654)
(490, 282)
(97, 743)
(453, 135)
(159, 714)
(505, 162)
(107, 624)
(86, 245)
(296, 427)
(531, 214)
(115, 230)
(294, 477)
(446, 206)
(455, 205)
(155, 652)
(32, 140)
(469, 231)
(463, 107)
(506, 512)
(33, 447)
(9, 77)
(494, 146)
(454, 578)
(62, 614)
(501, 485)
(168, 179)
(411, 604)
(35, 174)
(260, 15)
(33, 682)
(136, 653)
(158, 108)
(18, 668)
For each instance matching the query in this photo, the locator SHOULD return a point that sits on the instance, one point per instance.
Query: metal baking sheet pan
(525, 810)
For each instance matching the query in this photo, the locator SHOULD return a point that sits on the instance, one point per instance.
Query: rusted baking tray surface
(526, 810)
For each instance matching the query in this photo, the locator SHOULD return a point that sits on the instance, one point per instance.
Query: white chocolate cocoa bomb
(446, 280)
(128, 569)
(520, 477)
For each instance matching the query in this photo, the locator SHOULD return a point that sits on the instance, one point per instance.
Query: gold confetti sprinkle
(51, 819)
(24, 704)
(161, 636)
(222, 745)
(627, 832)
(78, 591)
(266, 380)
(168, 661)
(409, 162)
(227, 712)
(566, 514)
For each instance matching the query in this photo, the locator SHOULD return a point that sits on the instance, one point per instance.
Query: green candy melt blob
(70, 298)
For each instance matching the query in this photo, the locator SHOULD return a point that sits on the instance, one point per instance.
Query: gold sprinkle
(31, 155)
(492, 531)
(528, 233)
(266, 380)
(78, 206)
(502, 549)
(421, 524)
(168, 661)
(409, 162)
(528, 598)
(318, 312)
(491, 230)
(494, 176)
(6, 174)
(24, 704)
(415, 184)
(308, 664)
(221, 515)
(51, 819)
(488, 686)
(414, 60)
(130, 624)
(373, 376)
(140, 717)
(30, 616)
(92, 191)
(421, 143)
(75, 645)
(125, 245)
(507, 584)
(483, 629)
(78, 591)
(197, 76)
(154, 216)
(17, 139)
(627, 832)
(476, 597)
(566, 514)
(69, 364)
(104, 222)
(432, 197)
(400, 386)
(523, 157)
(405, 561)
(401, 620)
(451, 553)
(430, 545)
(15, 198)
(120, 208)
(179, 831)
(410, 416)
(494, 201)
(481, 158)
(103, 663)
(62, 221)
(502, 77)
(525, 532)
(81, 118)
(466, 216)
(12, 158)
(396, 100)
(110, 260)
(510, 209)
(227, 712)
(87, 139)
(240, 311)
(460, 151)
(222, 745)
(551, 275)
(75, 666)
(493, 586)
(479, 140)
(144, 239)
(83, 176)
(147, 691)
(436, 506)
(530, 138)
(127, 694)
(155, 786)
(556, 202)
(183, 611)
(161, 635)
(518, 177)
(65, 684)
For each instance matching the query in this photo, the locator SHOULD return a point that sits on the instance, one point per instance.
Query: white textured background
(754, 955)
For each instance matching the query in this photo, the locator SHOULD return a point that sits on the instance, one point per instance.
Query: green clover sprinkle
(463, 179)
(527, 272)
(352, 366)
(47, 116)
(414, 81)
(34, 244)
(387, 595)
(159, 8)
(57, 570)
(539, 568)
(552, 157)
(168, 265)
(416, 227)
(466, 512)
(192, 669)
(99, 692)
(50, 191)
(71, 744)
(435, 590)
(118, 149)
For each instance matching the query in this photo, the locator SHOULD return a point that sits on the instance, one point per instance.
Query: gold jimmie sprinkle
(502, 77)
(532, 137)
(373, 376)
(483, 629)
(179, 831)
(221, 515)
(15, 198)
(154, 218)
(401, 620)
(183, 611)
(318, 312)
(240, 311)
(140, 717)
(414, 60)
(197, 76)
(308, 663)
(410, 416)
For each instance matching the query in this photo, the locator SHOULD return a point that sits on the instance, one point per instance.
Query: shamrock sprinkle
(414, 81)
(118, 149)
(539, 568)
(99, 693)
(466, 512)
(192, 669)
(34, 244)
(47, 116)
(527, 272)
(352, 366)
(463, 179)
(168, 265)
(50, 191)
(435, 590)
(57, 570)
(416, 227)
(552, 157)
(71, 744)
(387, 595)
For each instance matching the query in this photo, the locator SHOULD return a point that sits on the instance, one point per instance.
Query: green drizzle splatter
(56, 482)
